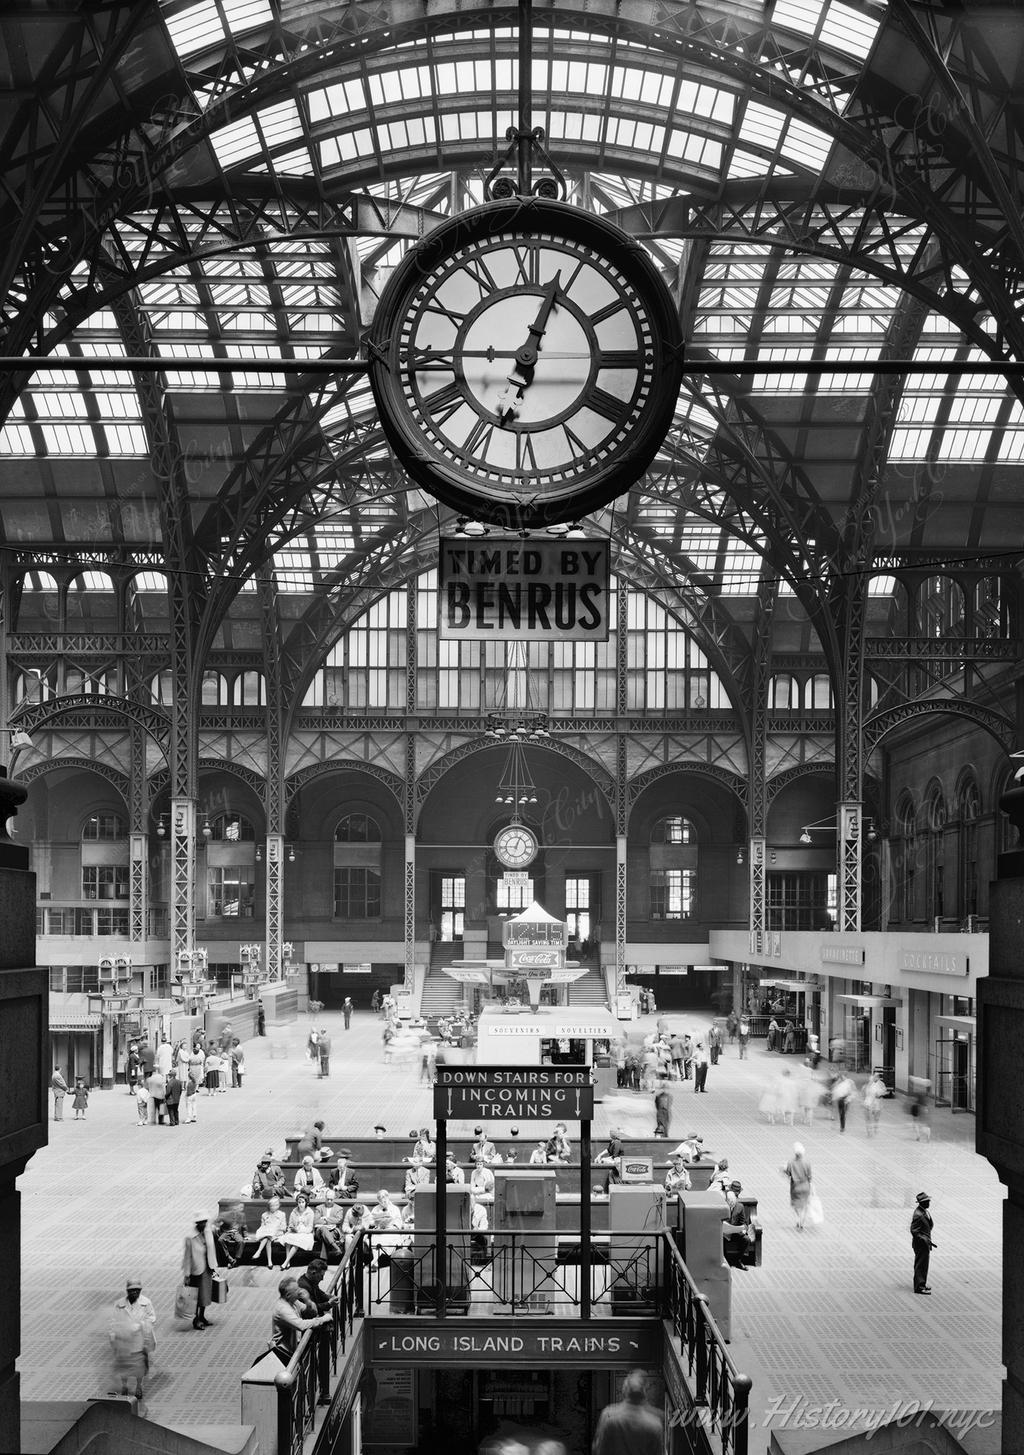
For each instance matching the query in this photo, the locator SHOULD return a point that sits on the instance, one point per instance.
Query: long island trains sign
(513, 1093)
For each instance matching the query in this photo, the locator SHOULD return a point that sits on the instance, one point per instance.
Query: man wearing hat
(921, 1238)
(678, 1179)
(131, 1336)
(735, 1229)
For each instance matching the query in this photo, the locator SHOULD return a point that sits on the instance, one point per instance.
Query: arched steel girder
(1002, 728)
(85, 711)
(732, 782)
(87, 765)
(850, 226)
(743, 51)
(160, 781)
(439, 767)
(262, 504)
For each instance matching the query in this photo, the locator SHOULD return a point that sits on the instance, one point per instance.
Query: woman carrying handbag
(199, 1264)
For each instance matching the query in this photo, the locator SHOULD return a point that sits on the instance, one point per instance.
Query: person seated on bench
(385, 1223)
(228, 1241)
(721, 1177)
(614, 1149)
(678, 1179)
(355, 1221)
(268, 1179)
(483, 1149)
(309, 1181)
(539, 1155)
(481, 1184)
(452, 1171)
(691, 1147)
(424, 1150)
(300, 1230)
(559, 1148)
(736, 1230)
(343, 1180)
(272, 1224)
(415, 1176)
(328, 1225)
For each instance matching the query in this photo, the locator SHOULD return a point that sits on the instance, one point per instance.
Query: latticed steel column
(411, 641)
(138, 878)
(621, 778)
(851, 828)
(274, 908)
(758, 895)
(183, 877)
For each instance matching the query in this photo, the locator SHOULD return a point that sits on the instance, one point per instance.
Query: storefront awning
(76, 1023)
(868, 1002)
(968, 1023)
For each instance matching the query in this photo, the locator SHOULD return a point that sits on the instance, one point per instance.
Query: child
(142, 1103)
(81, 1100)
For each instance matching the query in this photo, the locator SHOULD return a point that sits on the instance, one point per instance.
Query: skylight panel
(706, 102)
(16, 439)
(200, 28)
(849, 30)
(806, 144)
(236, 140)
(69, 439)
(762, 126)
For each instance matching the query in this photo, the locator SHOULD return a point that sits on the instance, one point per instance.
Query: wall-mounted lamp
(828, 826)
(179, 825)
(739, 856)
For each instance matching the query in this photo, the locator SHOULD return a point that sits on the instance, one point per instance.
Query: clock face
(526, 361)
(515, 846)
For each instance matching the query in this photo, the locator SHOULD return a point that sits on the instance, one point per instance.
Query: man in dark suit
(921, 1237)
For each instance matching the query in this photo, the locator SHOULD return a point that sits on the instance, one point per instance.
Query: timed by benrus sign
(523, 590)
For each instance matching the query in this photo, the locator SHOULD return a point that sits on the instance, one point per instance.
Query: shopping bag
(815, 1211)
(184, 1302)
(220, 1289)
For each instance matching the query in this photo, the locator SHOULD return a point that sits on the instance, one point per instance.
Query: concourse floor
(829, 1324)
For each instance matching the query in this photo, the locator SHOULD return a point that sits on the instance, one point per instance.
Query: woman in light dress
(273, 1224)
(300, 1229)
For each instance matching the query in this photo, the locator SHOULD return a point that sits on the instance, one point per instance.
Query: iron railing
(306, 1382)
(720, 1392)
(516, 1272)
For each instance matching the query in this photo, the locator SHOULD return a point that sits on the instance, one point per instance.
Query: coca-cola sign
(520, 958)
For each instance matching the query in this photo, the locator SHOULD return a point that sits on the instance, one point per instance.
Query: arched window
(934, 858)
(214, 689)
(968, 813)
(357, 867)
(162, 688)
(819, 692)
(904, 860)
(673, 868)
(249, 690)
(105, 859)
(784, 693)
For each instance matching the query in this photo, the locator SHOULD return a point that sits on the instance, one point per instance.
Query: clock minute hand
(526, 355)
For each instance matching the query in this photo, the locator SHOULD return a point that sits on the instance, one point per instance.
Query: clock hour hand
(526, 355)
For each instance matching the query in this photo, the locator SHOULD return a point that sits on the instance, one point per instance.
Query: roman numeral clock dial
(526, 360)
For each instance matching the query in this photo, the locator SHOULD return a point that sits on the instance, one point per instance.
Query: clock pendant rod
(524, 140)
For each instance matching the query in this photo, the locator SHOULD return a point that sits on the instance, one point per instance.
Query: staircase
(441, 994)
(589, 989)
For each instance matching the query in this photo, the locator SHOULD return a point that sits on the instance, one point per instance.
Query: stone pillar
(1000, 1126)
(24, 1108)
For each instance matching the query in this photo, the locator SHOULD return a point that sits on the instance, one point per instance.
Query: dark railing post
(701, 1333)
(441, 1205)
(741, 1413)
(285, 1414)
(585, 1221)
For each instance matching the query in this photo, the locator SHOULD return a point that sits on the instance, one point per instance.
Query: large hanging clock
(526, 360)
(515, 846)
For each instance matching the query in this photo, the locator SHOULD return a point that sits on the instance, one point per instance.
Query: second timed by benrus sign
(523, 590)
(513, 1093)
